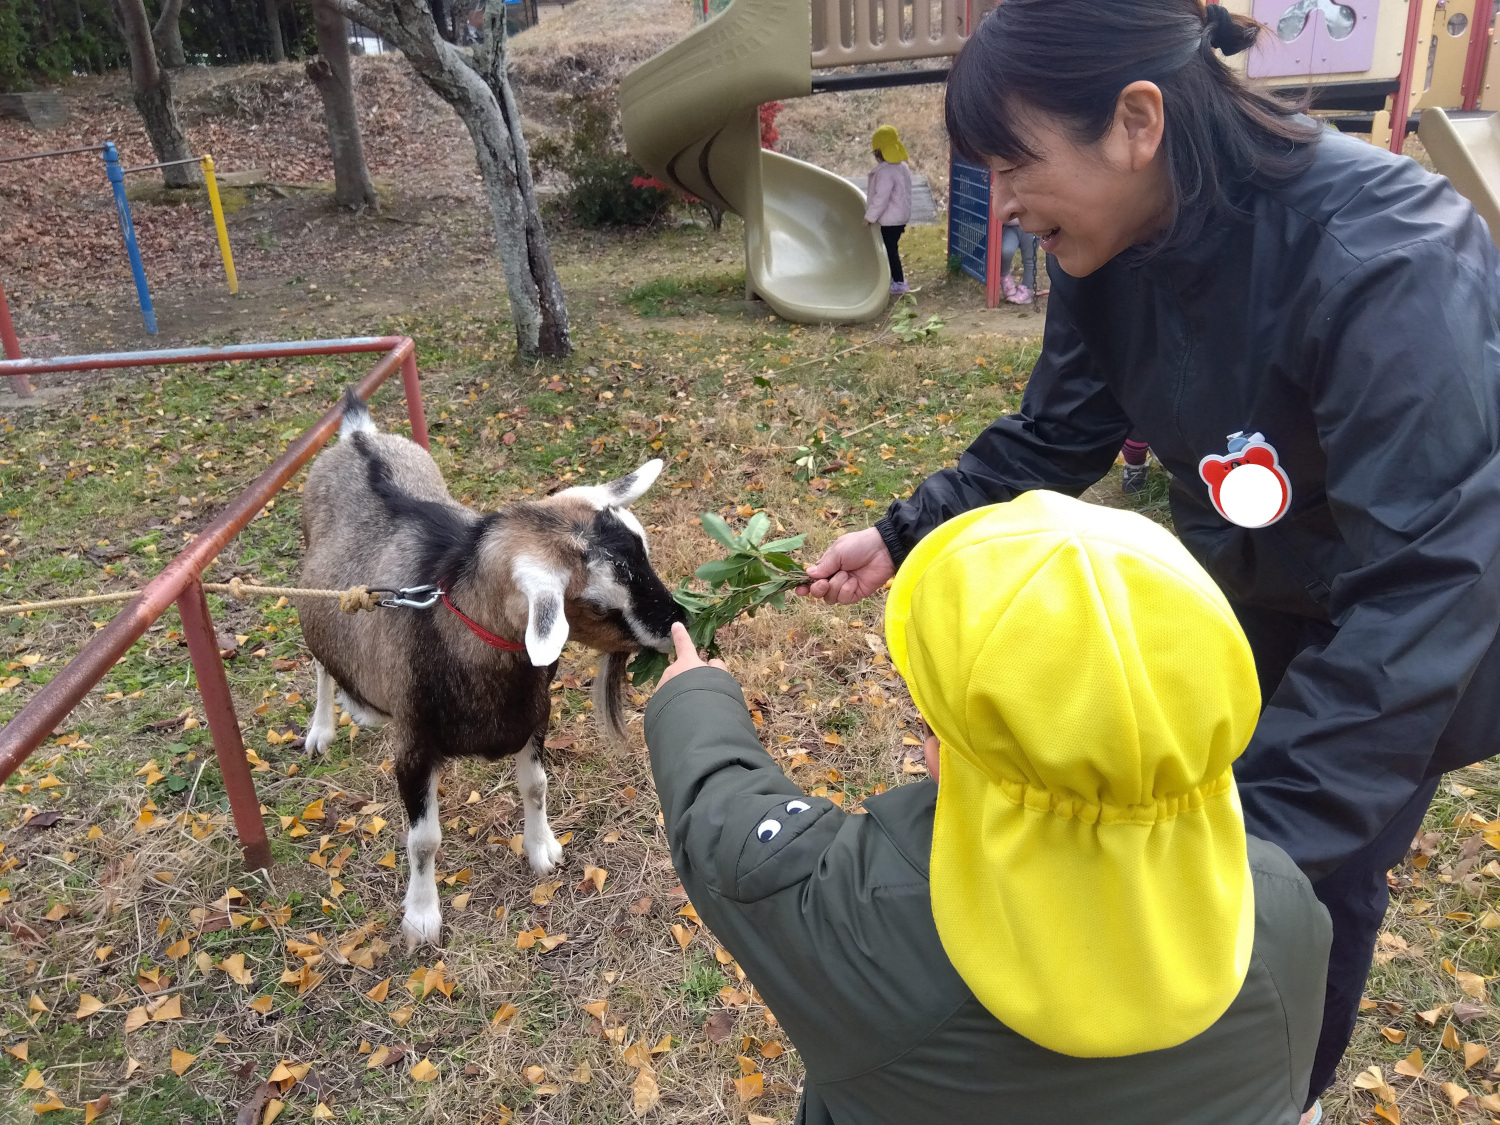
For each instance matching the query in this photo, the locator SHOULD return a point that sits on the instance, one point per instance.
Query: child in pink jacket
(889, 198)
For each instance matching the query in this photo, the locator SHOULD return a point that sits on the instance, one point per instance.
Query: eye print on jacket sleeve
(797, 806)
(766, 830)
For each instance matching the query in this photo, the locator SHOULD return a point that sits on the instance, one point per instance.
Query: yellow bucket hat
(888, 144)
(1090, 687)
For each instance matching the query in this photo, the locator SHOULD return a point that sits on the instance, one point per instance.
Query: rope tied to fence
(352, 600)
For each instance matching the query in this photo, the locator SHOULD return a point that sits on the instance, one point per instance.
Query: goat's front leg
(324, 727)
(416, 776)
(542, 848)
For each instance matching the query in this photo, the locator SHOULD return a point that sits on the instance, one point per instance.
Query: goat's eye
(797, 806)
(767, 829)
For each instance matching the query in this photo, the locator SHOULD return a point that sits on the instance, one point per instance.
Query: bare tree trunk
(479, 92)
(167, 35)
(153, 95)
(331, 74)
(489, 60)
(442, 15)
(273, 23)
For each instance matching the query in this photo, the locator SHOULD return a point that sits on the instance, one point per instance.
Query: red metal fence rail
(181, 580)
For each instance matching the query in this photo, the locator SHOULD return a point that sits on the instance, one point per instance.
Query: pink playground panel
(1314, 37)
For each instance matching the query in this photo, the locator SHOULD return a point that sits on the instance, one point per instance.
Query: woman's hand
(687, 656)
(855, 567)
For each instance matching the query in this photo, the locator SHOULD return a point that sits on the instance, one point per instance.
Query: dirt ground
(132, 894)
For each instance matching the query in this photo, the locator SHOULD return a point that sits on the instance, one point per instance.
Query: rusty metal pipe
(284, 350)
(12, 348)
(50, 706)
(218, 708)
(414, 408)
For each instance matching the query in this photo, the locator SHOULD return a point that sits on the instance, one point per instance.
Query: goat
(376, 513)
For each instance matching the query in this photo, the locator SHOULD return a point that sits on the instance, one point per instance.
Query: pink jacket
(889, 195)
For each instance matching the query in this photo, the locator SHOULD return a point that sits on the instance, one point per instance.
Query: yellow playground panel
(690, 115)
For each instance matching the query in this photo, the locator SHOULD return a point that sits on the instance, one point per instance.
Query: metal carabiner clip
(413, 597)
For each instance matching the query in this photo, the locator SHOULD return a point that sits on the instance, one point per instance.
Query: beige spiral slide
(691, 119)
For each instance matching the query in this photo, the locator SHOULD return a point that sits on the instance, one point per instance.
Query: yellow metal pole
(218, 209)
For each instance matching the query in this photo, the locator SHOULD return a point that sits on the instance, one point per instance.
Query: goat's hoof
(545, 856)
(318, 738)
(421, 928)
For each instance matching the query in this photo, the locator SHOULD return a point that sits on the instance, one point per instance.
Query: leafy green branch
(754, 574)
(904, 324)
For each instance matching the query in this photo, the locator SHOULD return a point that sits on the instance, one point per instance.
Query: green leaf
(783, 563)
(761, 381)
(719, 530)
(720, 570)
(791, 544)
(648, 666)
(756, 529)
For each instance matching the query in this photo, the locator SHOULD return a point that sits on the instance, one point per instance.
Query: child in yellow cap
(1068, 924)
(888, 199)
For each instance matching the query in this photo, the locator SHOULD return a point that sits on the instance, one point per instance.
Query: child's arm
(880, 192)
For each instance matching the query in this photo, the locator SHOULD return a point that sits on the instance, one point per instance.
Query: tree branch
(363, 14)
(171, 12)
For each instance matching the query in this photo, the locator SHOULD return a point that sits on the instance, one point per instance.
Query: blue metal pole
(127, 228)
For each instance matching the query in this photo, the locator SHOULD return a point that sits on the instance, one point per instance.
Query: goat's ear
(546, 623)
(619, 493)
(628, 489)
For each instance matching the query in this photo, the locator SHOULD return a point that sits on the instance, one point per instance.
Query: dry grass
(92, 491)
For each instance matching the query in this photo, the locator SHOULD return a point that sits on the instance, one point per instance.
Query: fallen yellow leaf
(597, 1008)
(644, 1092)
(750, 1087)
(596, 876)
(313, 811)
(1450, 1038)
(178, 949)
(20, 1050)
(504, 1015)
(380, 991)
(136, 1019)
(424, 1071)
(273, 1111)
(181, 1060)
(1455, 1092)
(1392, 1034)
(35, 1004)
(261, 1004)
(460, 902)
(401, 1015)
(1411, 1066)
(682, 934)
(1474, 1053)
(387, 860)
(87, 1006)
(533, 1074)
(169, 1009)
(53, 1102)
(33, 1080)
(322, 1113)
(94, 1108)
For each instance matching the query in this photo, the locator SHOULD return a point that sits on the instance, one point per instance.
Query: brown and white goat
(376, 513)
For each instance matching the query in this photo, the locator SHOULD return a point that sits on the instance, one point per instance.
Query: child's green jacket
(829, 913)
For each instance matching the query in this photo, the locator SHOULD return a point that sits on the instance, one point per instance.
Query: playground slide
(691, 119)
(1467, 150)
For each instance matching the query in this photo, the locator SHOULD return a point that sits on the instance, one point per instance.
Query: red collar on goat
(480, 631)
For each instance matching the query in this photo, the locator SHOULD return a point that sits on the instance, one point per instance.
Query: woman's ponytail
(1227, 34)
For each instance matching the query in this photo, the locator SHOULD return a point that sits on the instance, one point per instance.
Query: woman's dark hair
(1070, 59)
